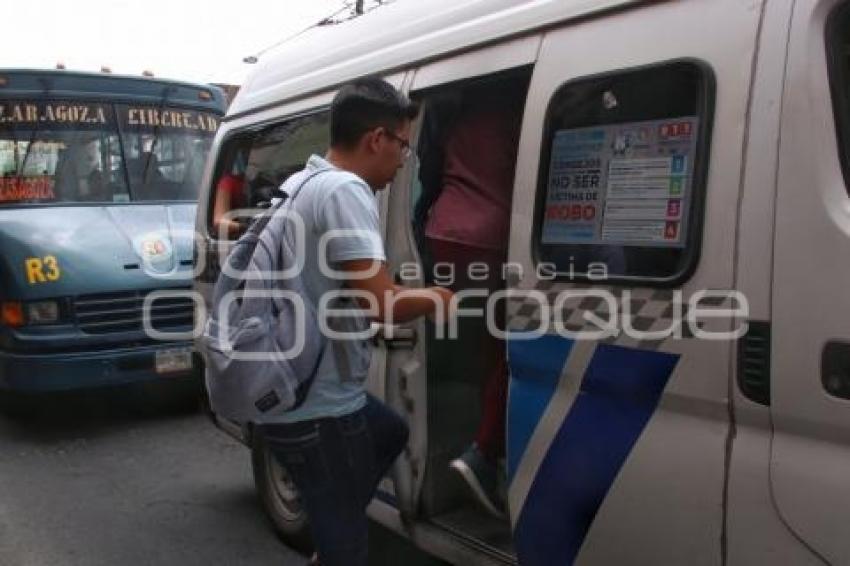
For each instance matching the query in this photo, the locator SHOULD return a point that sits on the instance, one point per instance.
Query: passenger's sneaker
(482, 477)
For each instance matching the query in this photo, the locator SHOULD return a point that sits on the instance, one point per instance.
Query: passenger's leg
(389, 434)
(331, 463)
(478, 465)
(491, 429)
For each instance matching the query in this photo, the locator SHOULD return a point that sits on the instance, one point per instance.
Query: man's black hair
(364, 105)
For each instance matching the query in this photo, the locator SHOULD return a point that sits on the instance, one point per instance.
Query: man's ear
(372, 139)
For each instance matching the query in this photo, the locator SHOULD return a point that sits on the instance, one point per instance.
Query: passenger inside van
(230, 194)
(464, 216)
(251, 177)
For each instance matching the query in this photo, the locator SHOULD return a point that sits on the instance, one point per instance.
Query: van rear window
(622, 175)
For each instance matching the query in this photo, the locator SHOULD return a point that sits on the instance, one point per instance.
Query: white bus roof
(396, 36)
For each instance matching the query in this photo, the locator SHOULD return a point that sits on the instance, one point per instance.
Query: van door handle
(394, 336)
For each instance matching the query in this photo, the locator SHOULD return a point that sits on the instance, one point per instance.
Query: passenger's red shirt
(474, 206)
(232, 184)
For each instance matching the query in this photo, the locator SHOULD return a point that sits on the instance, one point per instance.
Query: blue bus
(99, 177)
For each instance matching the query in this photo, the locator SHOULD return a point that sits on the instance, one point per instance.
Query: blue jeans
(336, 464)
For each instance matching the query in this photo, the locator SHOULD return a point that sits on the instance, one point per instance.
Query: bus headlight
(43, 312)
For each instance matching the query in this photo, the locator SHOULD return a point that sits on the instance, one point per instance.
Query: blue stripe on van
(620, 391)
(536, 367)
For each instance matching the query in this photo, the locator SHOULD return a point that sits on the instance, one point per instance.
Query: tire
(280, 498)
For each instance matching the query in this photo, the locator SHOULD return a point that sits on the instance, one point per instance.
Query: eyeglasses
(406, 150)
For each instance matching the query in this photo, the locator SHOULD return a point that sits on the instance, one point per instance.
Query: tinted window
(622, 174)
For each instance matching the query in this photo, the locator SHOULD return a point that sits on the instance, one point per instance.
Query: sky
(190, 40)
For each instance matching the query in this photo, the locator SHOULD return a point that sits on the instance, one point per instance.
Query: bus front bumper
(33, 373)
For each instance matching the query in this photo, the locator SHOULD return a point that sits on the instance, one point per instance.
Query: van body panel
(755, 531)
(397, 37)
(810, 282)
(680, 503)
(485, 61)
(758, 198)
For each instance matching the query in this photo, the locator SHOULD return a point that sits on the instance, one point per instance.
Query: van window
(838, 51)
(622, 175)
(253, 165)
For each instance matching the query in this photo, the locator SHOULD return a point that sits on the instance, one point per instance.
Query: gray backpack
(253, 371)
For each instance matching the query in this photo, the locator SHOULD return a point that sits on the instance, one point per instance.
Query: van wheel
(280, 498)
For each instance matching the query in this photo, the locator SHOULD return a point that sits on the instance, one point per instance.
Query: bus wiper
(23, 168)
(47, 85)
(166, 91)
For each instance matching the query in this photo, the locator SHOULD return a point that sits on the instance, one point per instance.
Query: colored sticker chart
(644, 200)
(624, 184)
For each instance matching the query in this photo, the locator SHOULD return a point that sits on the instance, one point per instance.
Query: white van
(705, 146)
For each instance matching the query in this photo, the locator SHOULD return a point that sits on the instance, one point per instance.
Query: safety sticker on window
(625, 184)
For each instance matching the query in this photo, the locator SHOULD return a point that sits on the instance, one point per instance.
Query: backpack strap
(290, 199)
(304, 387)
(258, 226)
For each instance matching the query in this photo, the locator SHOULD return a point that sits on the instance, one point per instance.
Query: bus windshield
(71, 152)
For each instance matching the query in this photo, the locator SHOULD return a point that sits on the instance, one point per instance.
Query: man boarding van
(677, 342)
